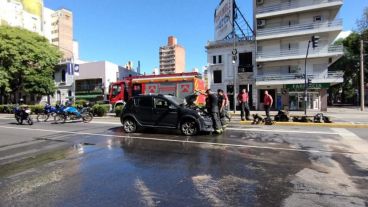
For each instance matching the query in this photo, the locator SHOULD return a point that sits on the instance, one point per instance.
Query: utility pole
(234, 53)
(305, 81)
(362, 88)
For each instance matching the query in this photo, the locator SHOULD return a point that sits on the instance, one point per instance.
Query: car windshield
(175, 100)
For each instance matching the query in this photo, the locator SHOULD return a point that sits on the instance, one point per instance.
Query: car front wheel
(129, 125)
(189, 127)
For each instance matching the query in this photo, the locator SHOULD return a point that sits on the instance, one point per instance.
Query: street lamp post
(234, 53)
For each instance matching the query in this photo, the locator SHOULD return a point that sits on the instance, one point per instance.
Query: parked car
(163, 111)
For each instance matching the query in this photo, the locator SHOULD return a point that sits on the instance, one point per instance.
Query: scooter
(23, 113)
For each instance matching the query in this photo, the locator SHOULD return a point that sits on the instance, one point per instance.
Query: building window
(293, 69)
(214, 59)
(317, 18)
(69, 93)
(220, 59)
(245, 62)
(55, 40)
(63, 76)
(217, 76)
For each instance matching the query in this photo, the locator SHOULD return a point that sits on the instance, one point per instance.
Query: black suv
(163, 111)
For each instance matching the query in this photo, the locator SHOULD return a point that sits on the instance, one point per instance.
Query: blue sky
(122, 30)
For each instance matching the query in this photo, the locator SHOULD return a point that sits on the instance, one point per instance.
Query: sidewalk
(348, 117)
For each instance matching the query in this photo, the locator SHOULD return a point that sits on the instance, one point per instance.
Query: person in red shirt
(243, 99)
(267, 103)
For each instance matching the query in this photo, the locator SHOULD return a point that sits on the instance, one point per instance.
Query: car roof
(152, 95)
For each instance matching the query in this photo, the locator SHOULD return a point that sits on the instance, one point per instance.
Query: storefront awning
(89, 96)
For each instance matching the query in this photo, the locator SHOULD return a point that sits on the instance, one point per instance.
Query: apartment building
(283, 29)
(56, 26)
(23, 14)
(172, 57)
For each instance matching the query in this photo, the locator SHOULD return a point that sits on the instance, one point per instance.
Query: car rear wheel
(189, 127)
(129, 125)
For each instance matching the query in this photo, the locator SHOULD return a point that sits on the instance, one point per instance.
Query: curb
(329, 125)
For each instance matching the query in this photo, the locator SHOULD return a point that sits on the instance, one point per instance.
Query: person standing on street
(213, 110)
(221, 105)
(267, 103)
(243, 99)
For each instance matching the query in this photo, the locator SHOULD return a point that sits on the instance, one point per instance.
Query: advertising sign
(224, 16)
(33, 6)
(300, 87)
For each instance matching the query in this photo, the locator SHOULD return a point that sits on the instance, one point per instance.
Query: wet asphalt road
(97, 164)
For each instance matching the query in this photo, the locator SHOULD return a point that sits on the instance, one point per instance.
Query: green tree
(27, 62)
(350, 62)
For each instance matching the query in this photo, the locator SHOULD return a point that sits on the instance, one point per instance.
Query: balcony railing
(298, 76)
(299, 27)
(301, 52)
(292, 5)
(229, 41)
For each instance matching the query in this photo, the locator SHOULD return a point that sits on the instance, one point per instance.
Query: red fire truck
(178, 84)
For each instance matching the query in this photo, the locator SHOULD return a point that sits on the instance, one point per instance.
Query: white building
(94, 80)
(220, 70)
(283, 29)
(23, 14)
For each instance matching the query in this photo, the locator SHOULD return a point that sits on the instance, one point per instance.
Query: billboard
(33, 7)
(224, 16)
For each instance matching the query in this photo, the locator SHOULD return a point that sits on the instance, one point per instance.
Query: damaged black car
(164, 111)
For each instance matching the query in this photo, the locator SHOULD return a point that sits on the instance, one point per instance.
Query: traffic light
(315, 40)
(309, 82)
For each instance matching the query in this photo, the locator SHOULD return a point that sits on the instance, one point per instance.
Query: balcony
(276, 8)
(297, 78)
(299, 29)
(277, 55)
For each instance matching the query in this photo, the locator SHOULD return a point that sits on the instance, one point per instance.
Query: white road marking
(282, 131)
(146, 194)
(93, 122)
(179, 141)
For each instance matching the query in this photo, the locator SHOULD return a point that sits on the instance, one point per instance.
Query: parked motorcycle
(49, 111)
(23, 113)
(73, 113)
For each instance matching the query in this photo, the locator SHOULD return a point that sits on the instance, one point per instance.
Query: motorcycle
(73, 113)
(49, 111)
(23, 113)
